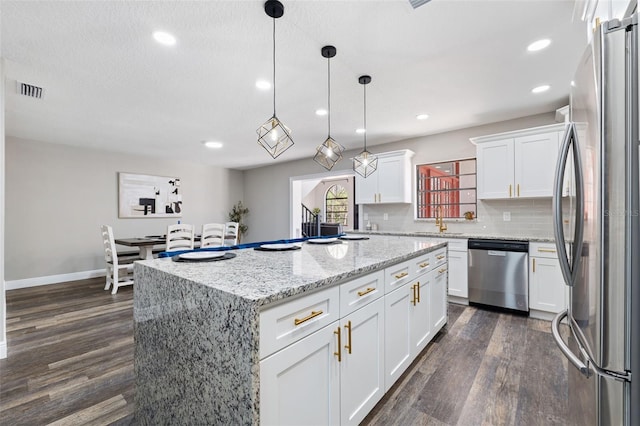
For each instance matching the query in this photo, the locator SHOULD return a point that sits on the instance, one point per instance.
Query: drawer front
(289, 322)
(422, 264)
(547, 250)
(397, 275)
(439, 257)
(360, 291)
(439, 271)
(457, 244)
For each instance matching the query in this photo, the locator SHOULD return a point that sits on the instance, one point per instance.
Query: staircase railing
(310, 223)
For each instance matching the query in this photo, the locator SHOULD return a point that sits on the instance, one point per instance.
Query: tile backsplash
(529, 217)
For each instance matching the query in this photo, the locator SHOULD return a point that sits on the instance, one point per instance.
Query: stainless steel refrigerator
(597, 230)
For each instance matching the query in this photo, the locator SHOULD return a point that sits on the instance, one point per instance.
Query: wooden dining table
(144, 244)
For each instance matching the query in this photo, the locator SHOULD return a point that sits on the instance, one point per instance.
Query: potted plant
(237, 214)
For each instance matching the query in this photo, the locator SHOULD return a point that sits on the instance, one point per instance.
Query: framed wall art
(147, 196)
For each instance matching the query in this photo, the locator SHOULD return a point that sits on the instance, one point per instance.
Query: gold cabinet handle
(339, 353)
(534, 264)
(418, 288)
(415, 296)
(518, 190)
(544, 250)
(402, 275)
(313, 314)
(509, 190)
(442, 270)
(367, 291)
(424, 265)
(348, 345)
(442, 256)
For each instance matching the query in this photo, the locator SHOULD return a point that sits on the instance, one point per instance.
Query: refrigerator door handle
(573, 358)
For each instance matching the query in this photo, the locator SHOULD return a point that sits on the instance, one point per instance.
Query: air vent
(418, 3)
(30, 90)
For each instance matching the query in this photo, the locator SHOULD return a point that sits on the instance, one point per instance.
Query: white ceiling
(109, 85)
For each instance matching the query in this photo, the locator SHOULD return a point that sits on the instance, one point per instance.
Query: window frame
(417, 192)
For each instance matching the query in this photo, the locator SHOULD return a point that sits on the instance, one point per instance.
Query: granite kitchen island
(197, 326)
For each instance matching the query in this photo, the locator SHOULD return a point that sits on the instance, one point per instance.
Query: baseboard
(3, 349)
(459, 300)
(541, 315)
(53, 279)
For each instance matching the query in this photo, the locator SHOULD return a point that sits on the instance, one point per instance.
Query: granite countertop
(461, 235)
(264, 277)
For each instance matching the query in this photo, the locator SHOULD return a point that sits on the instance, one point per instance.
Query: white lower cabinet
(458, 278)
(397, 332)
(362, 362)
(301, 383)
(438, 297)
(337, 374)
(547, 290)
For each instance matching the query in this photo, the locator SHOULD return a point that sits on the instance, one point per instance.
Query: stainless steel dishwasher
(498, 273)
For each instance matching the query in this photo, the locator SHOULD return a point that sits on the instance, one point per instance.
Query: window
(446, 189)
(337, 205)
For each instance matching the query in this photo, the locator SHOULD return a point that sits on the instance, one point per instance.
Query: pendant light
(273, 135)
(329, 152)
(365, 163)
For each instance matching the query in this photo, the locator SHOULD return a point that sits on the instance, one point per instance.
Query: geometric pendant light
(329, 152)
(273, 135)
(365, 163)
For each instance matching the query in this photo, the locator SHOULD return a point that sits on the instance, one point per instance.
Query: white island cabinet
(518, 164)
(390, 183)
(293, 337)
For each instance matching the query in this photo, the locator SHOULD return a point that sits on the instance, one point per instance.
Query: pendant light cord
(365, 116)
(329, 96)
(274, 67)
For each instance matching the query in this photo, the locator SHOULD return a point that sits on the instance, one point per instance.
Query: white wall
(3, 305)
(57, 197)
(267, 188)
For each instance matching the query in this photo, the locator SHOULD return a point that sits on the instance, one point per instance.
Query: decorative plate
(203, 256)
(279, 247)
(353, 237)
(322, 240)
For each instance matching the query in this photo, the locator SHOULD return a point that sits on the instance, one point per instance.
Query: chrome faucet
(439, 219)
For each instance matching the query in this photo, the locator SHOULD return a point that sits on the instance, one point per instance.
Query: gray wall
(57, 197)
(3, 307)
(267, 188)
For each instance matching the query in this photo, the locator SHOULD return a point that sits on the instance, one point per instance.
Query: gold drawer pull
(424, 265)
(544, 250)
(415, 297)
(367, 291)
(442, 270)
(402, 275)
(339, 353)
(509, 190)
(518, 190)
(534, 264)
(313, 314)
(442, 256)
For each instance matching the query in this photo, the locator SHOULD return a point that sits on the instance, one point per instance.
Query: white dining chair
(231, 233)
(212, 235)
(117, 274)
(180, 237)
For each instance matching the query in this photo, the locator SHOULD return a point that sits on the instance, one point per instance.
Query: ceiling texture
(107, 84)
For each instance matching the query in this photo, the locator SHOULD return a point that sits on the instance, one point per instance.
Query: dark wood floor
(71, 363)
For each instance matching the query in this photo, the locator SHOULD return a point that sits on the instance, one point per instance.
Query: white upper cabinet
(518, 164)
(390, 183)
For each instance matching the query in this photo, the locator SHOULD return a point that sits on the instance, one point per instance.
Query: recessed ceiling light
(539, 45)
(263, 85)
(360, 130)
(164, 38)
(540, 89)
(212, 144)
(321, 111)
(422, 116)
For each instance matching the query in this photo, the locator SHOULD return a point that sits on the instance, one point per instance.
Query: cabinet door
(420, 320)
(362, 365)
(535, 164)
(458, 279)
(392, 180)
(301, 383)
(367, 188)
(546, 285)
(495, 169)
(397, 354)
(438, 298)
